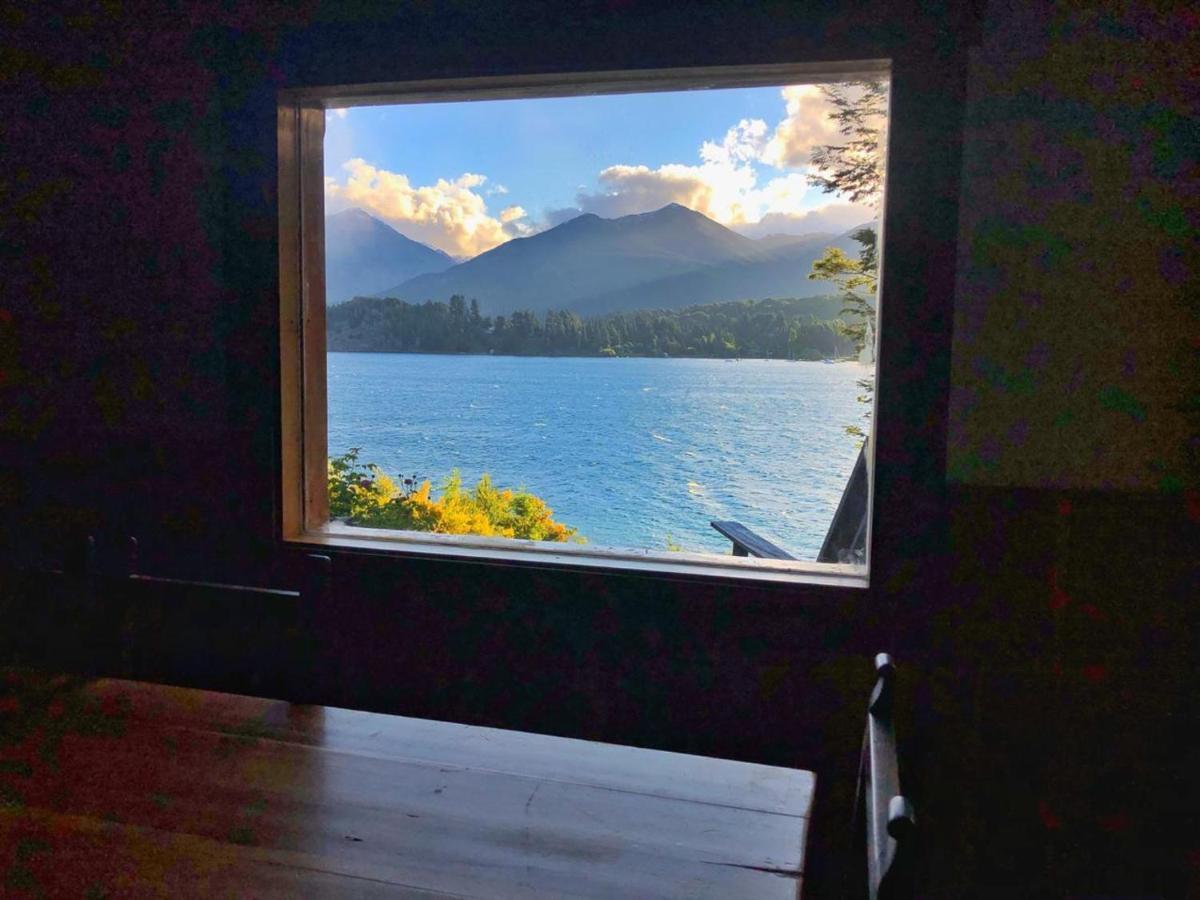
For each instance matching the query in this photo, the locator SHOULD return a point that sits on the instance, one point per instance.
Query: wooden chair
(886, 814)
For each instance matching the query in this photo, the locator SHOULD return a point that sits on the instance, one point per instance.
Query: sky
(465, 177)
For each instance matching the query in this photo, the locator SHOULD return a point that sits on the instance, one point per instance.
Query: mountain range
(362, 255)
(666, 259)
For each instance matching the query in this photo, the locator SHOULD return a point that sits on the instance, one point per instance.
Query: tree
(854, 169)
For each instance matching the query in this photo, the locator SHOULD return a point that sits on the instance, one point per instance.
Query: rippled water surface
(632, 452)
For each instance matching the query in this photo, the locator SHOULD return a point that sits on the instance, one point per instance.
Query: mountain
(666, 259)
(775, 241)
(364, 255)
(781, 272)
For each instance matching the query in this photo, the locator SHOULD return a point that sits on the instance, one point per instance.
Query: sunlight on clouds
(715, 189)
(833, 218)
(753, 179)
(726, 185)
(449, 215)
(806, 125)
(742, 143)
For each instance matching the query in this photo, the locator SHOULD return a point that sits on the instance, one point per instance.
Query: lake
(637, 453)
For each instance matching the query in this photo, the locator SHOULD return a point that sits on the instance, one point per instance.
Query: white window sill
(512, 550)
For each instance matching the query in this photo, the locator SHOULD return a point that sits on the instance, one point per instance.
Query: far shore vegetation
(806, 328)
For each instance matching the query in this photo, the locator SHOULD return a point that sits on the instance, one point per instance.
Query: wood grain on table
(115, 788)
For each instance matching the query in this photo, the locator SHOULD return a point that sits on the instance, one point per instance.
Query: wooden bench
(747, 543)
(846, 539)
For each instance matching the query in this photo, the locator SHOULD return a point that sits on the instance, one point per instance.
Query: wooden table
(116, 788)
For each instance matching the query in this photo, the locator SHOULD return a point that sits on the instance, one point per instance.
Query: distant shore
(840, 359)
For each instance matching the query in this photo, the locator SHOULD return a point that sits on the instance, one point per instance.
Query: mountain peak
(674, 210)
(582, 217)
(363, 255)
(352, 212)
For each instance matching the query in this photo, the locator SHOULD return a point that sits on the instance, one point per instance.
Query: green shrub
(364, 495)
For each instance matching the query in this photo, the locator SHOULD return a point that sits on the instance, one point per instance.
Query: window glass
(638, 322)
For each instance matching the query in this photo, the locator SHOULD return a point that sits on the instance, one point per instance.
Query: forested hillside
(787, 328)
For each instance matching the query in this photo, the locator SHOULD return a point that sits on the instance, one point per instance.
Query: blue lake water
(632, 452)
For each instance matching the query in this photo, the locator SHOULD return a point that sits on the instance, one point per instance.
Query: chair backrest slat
(889, 816)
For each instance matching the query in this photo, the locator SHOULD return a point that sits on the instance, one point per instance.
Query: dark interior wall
(1061, 652)
(1075, 359)
(138, 396)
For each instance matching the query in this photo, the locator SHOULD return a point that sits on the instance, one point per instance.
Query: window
(721, 372)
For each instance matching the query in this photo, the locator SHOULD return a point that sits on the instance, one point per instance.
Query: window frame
(303, 420)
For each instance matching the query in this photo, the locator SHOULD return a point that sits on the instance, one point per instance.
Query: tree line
(786, 328)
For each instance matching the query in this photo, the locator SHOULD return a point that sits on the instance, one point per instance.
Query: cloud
(725, 191)
(743, 142)
(449, 215)
(833, 218)
(516, 223)
(716, 189)
(727, 185)
(753, 179)
(806, 125)
(340, 113)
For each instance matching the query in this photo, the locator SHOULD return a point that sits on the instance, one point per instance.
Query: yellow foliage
(366, 496)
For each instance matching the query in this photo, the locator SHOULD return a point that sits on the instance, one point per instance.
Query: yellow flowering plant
(363, 494)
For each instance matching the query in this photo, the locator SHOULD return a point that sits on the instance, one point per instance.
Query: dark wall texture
(1048, 638)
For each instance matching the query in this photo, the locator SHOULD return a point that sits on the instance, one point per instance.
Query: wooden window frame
(304, 445)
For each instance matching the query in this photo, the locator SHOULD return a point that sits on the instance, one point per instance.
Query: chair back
(887, 815)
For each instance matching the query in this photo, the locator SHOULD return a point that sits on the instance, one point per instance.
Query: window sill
(539, 553)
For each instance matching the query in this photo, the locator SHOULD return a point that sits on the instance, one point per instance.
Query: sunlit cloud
(806, 125)
(833, 218)
(450, 215)
(742, 143)
(732, 184)
(715, 189)
(753, 179)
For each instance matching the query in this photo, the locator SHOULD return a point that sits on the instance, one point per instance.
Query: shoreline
(837, 360)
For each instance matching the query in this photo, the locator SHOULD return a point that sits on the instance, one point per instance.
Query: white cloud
(806, 125)
(743, 142)
(834, 218)
(753, 179)
(516, 223)
(717, 189)
(726, 185)
(449, 215)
